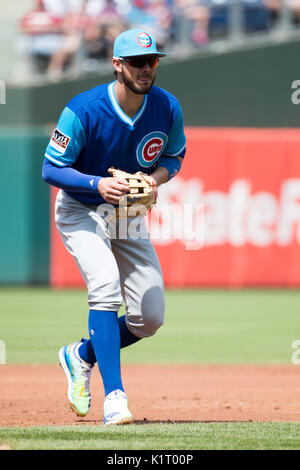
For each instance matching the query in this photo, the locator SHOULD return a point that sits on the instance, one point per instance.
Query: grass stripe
(201, 326)
(162, 436)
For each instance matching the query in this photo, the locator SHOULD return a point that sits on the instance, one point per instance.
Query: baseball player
(130, 125)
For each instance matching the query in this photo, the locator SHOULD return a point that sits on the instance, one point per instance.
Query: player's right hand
(111, 189)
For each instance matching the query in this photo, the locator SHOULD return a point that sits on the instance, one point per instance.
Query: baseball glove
(142, 193)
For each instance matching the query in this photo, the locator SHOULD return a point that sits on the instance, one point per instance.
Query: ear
(117, 64)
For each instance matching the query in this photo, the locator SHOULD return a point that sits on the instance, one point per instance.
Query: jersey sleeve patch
(60, 141)
(67, 140)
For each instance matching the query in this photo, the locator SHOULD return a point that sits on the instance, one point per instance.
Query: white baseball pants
(114, 269)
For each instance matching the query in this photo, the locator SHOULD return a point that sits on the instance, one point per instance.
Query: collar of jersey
(118, 109)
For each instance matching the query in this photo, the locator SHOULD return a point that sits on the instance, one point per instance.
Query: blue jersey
(93, 133)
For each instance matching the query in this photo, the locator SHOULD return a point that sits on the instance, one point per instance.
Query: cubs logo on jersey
(144, 40)
(150, 148)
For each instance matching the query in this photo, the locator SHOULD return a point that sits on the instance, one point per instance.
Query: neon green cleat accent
(78, 374)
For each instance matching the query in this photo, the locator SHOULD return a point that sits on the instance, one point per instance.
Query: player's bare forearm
(161, 174)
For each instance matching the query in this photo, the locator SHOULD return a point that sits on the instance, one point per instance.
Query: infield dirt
(36, 395)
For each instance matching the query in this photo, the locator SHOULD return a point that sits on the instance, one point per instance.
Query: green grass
(202, 326)
(218, 436)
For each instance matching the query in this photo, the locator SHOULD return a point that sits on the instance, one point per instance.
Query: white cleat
(115, 410)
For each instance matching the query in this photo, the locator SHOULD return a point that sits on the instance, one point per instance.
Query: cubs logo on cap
(135, 42)
(150, 148)
(144, 39)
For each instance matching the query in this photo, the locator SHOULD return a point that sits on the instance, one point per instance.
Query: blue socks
(105, 338)
(127, 338)
(86, 351)
(108, 334)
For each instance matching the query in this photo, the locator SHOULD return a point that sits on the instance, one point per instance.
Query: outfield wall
(242, 88)
(24, 234)
(231, 217)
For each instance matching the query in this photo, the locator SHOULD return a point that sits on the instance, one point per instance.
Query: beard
(138, 87)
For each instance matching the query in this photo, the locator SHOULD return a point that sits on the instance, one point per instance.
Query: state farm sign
(230, 218)
(188, 213)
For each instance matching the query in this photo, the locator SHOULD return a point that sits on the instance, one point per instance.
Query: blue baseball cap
(135, 42)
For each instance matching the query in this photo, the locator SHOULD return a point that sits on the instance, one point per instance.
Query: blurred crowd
(78, 35)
